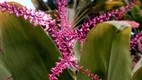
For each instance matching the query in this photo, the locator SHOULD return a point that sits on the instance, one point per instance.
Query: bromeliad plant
(90, 51)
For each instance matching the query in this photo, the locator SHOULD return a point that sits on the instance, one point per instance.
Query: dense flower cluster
(134, 41)
(65, 39)
(65, 63)
(65, 44)
(62, 11)
(35, 17)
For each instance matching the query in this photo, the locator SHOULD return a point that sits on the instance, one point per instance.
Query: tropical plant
(99, 49)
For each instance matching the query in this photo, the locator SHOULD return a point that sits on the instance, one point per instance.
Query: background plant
(29, 53)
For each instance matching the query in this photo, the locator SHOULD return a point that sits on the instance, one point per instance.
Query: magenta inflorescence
(134, 41)
(62, 10)
(65, 44)
(65, 63)
(35, 17)
(65, 39)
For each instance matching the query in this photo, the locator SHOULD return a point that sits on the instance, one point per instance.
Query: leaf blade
(100, 45)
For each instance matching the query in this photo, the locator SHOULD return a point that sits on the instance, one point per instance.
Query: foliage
(31, 52)
(106, 53)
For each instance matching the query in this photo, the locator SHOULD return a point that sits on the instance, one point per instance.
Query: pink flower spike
(135, 41)
(117, 14)
(34, 17)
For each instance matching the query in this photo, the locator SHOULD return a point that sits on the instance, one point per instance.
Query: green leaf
(136, 13)
(137, 75)
(127, 17)
(77, 50)
(29, 53)
(4, 72)
(106, 52)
